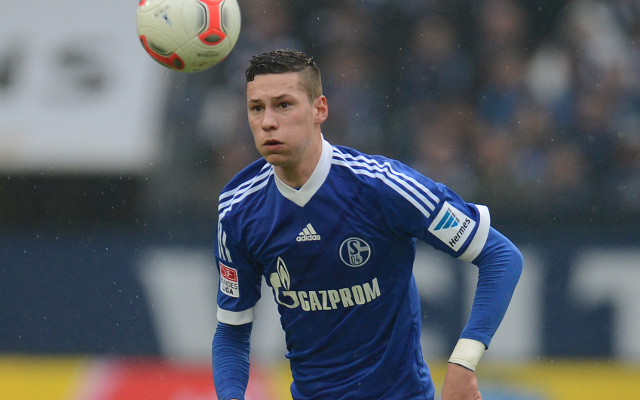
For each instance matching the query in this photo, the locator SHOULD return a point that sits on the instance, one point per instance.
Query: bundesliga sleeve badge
(229, 281)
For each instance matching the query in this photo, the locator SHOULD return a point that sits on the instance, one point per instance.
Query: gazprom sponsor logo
(320, 300)
(452, 226)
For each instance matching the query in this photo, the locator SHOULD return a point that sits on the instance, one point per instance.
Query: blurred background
(110, 168)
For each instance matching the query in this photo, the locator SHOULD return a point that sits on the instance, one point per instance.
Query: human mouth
(272, 144)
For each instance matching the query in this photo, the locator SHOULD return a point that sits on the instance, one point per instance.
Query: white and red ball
(188, 35)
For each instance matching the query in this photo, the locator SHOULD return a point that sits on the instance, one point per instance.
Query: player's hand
(460, 384)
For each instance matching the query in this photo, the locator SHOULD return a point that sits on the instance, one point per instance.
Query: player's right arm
(230, 360)
(238, 293)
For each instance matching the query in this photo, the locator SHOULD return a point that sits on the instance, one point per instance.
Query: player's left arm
(500, 266)
(416, 206)
(460, 383)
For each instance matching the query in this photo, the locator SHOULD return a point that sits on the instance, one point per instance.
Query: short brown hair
(283, 61)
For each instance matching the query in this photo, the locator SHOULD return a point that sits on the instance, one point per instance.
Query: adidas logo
(449, 220)
(307, 234)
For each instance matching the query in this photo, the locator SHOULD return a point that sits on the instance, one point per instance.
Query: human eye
(255, 108)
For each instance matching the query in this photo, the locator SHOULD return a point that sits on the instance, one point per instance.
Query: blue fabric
(230, 360)
(500, 265)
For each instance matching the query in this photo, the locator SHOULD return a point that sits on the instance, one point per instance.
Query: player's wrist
(467, 353)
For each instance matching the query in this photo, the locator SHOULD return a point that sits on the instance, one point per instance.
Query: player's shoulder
(386, 178)
(376, 169)
(245, 185)
(355, 160)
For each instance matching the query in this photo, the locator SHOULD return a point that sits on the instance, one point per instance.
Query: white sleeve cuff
(467, 353)
(480, 238)
(236, 317)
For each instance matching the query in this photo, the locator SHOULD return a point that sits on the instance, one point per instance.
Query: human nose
(269, 120)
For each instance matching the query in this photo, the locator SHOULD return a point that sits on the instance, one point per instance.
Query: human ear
(321, 109)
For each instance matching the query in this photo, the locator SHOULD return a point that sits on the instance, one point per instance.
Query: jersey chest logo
(355, 252)
(308, 234)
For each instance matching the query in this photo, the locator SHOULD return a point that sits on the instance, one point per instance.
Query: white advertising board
(77, 92)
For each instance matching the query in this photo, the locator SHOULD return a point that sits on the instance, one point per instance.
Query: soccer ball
(188, 35)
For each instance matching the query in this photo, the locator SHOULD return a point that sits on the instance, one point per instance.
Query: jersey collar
(305, 193)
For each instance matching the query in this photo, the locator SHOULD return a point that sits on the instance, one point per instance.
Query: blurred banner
(134, 294)
(77, 91)
(29, 378)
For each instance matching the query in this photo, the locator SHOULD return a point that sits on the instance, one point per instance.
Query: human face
(286, 125)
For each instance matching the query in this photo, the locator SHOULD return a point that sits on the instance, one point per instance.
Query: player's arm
(437, 215)
(500, 266)
(230, 360)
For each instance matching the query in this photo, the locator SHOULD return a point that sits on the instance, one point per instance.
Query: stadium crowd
(533, 107)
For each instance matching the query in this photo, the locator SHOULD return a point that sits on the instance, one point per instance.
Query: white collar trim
(305, 193)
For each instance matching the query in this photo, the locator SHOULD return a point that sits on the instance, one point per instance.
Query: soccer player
(333, 231)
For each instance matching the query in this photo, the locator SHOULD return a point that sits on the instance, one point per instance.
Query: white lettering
(369, 292)
(305, 238)
(303, 301)
(323, 294)
(358, 294)
(345, 295)
(326, 300)
(315, 302)
(334, 298)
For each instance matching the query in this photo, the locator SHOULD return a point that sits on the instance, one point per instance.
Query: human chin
(272, 158)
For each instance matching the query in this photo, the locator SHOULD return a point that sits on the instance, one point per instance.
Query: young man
(333, 232)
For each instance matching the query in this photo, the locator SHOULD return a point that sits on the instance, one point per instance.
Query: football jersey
(338, 255)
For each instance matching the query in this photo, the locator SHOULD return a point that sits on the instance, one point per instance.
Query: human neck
(298, 174)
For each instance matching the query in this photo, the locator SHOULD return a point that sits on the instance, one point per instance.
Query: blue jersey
(338, 254)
